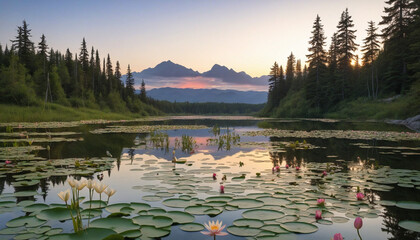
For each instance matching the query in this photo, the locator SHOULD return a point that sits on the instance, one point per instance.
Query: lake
(168, 172)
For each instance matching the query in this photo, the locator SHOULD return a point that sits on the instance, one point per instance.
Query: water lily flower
(222, 189)
(90, 184)
(324, 173)
(318, 215)
(80, 185)
(64, 195)
(214, 229)
(100, 187)
(287, 166)
(214, 176)
(360, 196)
(358, 223)
(110, 192)
(297, 168)
(338, 236)
(71, 182)
(320, 202)
(8, 162)
(277, 169)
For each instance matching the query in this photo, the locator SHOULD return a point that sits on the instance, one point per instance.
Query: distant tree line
(32, 73)
(390, 62)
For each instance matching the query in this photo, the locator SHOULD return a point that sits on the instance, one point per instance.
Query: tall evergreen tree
(371, 44)
(92, 69)
(346, 46)
(290, 70)
(317, 59)
(143, 96)
(399, 15)
(84, 56)
(120, 84)
(272, 87)
(129, 82)
(109, 74)
(43, 47)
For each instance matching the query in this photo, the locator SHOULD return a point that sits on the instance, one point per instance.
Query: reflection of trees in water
(290, 156)
(390, 223)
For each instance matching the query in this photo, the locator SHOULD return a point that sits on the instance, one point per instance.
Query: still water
(253, 154)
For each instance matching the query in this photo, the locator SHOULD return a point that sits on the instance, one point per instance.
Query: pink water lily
(214, 229)
(358, 223)
(360, 196)
(297, 168)
(287, 166)
(8, 162)
(318, 215)
(214, 176)
(222, 189)
(324, 173)
(277, 168)
(338, 236)
(320, 202)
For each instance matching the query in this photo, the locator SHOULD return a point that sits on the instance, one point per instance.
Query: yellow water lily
(64, 195)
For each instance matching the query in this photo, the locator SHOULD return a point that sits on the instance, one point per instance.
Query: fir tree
(109, 74)
(143, 97)
(290, 71)
(399, 15)
(129, 82)
(84, 56)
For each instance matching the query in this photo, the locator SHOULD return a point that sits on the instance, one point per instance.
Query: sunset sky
(240, 34)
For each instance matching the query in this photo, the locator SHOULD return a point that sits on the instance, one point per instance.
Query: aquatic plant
(214, 229)
(222, 188)
(360, 196)
(320, 202)
(318, 215)
(358, 223)
(338, 236)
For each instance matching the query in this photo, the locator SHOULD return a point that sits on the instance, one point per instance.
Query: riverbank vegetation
(382, 83)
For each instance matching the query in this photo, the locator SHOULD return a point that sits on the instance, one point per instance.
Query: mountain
(207, 95)
(231, 76)
(167, 69)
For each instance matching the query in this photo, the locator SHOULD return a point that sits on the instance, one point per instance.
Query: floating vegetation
(340, 134)
(225, 141)
(144, 128)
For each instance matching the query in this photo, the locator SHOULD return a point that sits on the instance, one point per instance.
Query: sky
(240, 34)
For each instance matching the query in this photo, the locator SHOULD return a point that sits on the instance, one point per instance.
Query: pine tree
(84, 56)
(43, 47)
(346, 47)
(109, 74)
(129, 82)
(272, 86)
(317, 59)
(299, 75)
(400, 14)
(371, 44)
(120, 84)
(24, 46)
(143, 97)
(92, 69)
(290, 71)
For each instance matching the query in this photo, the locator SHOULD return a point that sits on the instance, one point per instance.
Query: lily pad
(262, 214)
(152, 232)
(410, 225)
(243, 231)
(27, 221)
(408, 205)
(118, 225)
(180, 217)
(246, 203)
(192, 227)
(176, 203)
(57, 213)
(91, 233)
(156, 221)
(299, 227)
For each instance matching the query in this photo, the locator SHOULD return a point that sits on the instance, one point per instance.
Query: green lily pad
(91, 233)
(198, 209)
(36, 207)
(299, 227)
(262, 214)
(246, 203)
(116, 207)
(244, 222)
(176, 203)
(152, 232)
(131, 233)
(408, 205)
(410, 225)
(118, 225)
(94, 204)
(180, 217)
(27, 221)
(192, 227)
(156, 221)
(57, 213)
(243, 231)
(10, 230)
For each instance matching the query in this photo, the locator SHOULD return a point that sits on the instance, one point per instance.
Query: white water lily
(90, 184)
(100, 187)
(64, 195)
(71, 182)
(110, 192)
(80, 185)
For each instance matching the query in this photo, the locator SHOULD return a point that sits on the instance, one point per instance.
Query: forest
(384, 82)
(335, 82)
